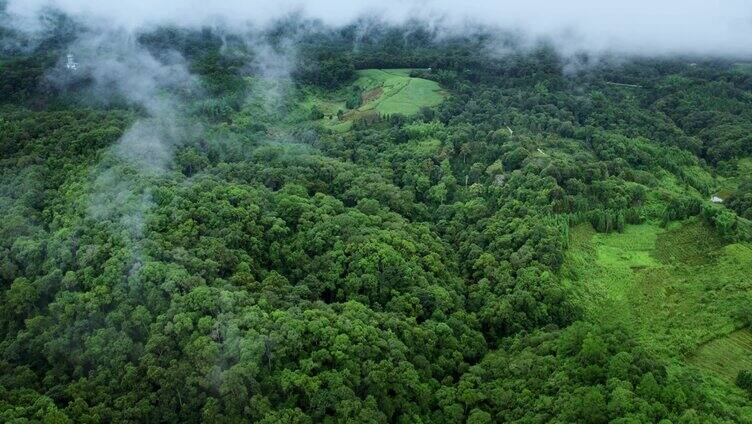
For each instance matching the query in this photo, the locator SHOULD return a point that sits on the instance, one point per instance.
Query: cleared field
(726, 355)
(383, 92)
(397, 92)
(677, 289)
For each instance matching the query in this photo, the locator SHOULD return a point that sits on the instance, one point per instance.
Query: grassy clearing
(397, 91)
(602, 268)
(726, 355)
(676, 289)
(383, 92)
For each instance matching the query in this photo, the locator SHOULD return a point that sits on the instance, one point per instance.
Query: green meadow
(727, 355)
(398, 92)
(681, 290)
(383, 92)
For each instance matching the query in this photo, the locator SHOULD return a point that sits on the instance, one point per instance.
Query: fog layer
(703, 27)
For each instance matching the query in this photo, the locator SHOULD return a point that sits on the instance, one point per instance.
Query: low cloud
(639, 27)
(119, 68)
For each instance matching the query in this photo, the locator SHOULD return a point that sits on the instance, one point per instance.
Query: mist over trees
(184, 239)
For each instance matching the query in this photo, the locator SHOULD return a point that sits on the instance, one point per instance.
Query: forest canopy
(372, 222)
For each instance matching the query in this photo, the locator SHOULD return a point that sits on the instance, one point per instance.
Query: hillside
(369, 224)
(678, 288)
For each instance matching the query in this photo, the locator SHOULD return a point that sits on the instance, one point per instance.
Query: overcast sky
(717, 27)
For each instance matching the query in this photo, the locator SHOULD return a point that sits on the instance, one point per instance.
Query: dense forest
(249, 242)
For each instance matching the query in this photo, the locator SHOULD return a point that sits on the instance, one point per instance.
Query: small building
(71, 63)
(499, 179)
(716, 199)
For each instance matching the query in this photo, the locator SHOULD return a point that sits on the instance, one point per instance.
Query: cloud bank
(702, 27)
